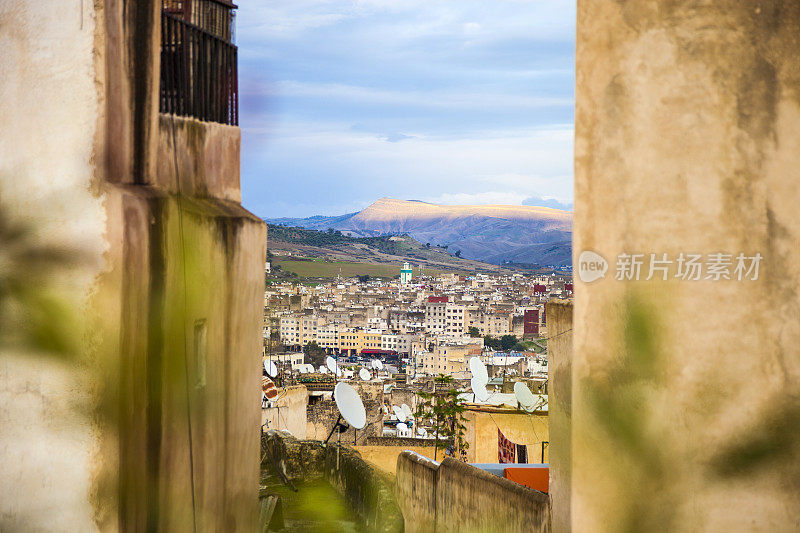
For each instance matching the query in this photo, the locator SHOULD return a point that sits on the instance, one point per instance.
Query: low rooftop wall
(455, 496)
(366, 489)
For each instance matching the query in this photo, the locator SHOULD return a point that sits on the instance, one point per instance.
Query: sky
(445, 101)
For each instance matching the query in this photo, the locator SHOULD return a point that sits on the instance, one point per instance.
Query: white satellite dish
(479, 388)
(407, 411)
(350, 405)
(398, 412)
(330, 362)
(323, 370)
(422, 431)
(270, 367)
(364, 374)
(478, 370)
(338, 372)
(376, 364)
(402, 427)
(526, 399)
(385, 410)
(301, 369)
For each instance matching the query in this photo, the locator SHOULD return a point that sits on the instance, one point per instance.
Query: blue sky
(456, 102)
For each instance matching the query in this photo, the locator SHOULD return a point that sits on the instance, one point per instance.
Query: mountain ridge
(493, 233)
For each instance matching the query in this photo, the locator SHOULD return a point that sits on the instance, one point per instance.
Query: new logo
(591, 266)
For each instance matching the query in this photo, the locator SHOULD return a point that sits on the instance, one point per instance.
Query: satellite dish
(302, 369)
(323, 370)
(270, 367)
(401, 416)
(376, 364)
(364, 374)
(402, 427)
(385, 410)
(407, 411)
(478, 370)
(338, 372)
(350, 405)
(422, 431)
(268, 388)
(524, 396)
(479, 388)
(330, 362)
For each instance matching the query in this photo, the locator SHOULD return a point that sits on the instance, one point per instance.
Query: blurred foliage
(772, 442)
(33, 315)
(622, 400)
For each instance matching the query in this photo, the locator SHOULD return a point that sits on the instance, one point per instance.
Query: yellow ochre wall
(518, 427)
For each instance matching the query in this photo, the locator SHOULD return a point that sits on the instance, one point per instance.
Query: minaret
(406, 274)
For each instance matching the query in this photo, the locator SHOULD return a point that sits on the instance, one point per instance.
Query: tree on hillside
(507, 342)
(458, 253)
(315, 354)
(443, 410)
(491, 342)
(363, 278)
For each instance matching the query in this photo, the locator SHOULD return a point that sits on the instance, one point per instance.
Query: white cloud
(481, 198)
(433, 98)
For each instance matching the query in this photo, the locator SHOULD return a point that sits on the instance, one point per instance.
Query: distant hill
(490, 233)
(312, 253)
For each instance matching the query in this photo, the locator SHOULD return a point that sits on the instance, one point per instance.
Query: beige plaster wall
(49, 109)
(385, 457)
(290, 412)
(559, 367)
(686, 140)
(454, 496)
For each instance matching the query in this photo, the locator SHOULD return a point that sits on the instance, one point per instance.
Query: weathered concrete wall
(517, 426)
(207, 158)
(454, 496)
(686, 141)
(366, 489)
(415, 487)
(559, 368)
(289, 412)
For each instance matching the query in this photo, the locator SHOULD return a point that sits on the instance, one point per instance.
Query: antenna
(479, 389)
(330, 362)
(268, 389)
(479, 379)
(364, 374)
(398, 412)
(271, 369)
(351, 408)
(478, 370)
(407, 411)
(526, 399)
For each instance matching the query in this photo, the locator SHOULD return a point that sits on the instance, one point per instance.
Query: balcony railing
(198, 71)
